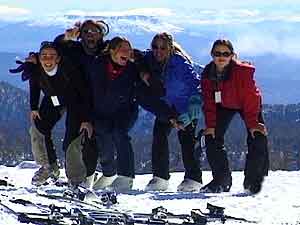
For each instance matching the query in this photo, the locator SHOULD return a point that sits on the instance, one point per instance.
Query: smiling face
(49, 59)
(222, 56)
(161, 50)
(121, 54)
(91, 35)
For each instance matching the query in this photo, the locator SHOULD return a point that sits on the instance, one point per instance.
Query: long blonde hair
(173, 47)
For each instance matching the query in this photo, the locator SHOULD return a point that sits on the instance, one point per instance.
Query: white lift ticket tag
(218, 97)
(55, 100)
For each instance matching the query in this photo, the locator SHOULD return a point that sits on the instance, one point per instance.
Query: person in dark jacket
(167, 62)
(114, 81)
(83, 42)
(63, 90)
(228, 88)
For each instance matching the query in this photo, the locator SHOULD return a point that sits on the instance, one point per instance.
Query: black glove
(25, 68)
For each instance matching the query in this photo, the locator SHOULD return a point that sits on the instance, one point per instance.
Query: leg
(42, 146)
(191, 164)
(105, 146)
(160, 149)
(106, 149)
(49, 117)
(257, 161)
(216, 154)
(125, 155)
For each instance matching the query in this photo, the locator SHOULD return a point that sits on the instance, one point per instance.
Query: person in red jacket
(228, 87)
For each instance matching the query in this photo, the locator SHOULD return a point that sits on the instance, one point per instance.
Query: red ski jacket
(238, 91)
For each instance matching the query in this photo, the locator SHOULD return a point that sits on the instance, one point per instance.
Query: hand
(145, 77)
(176, 125)
(31, 58)
(88, 127)
(210, 131)
(34, 114)
(261, 128)
(72, 34)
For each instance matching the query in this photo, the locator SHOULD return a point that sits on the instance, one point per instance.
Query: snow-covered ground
(277, 203)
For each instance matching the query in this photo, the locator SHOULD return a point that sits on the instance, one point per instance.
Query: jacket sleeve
(83, 104)
(158, 107)
(209, 105)
(34, 90)
(156, 86)
(191, 80)
(251, 98)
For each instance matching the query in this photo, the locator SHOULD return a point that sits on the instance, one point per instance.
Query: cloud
(255, 44)
(153, 12)
(12, 13)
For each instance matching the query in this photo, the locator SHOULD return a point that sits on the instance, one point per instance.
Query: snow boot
(216, 186)
(157, 184)
(189, 185)
(45, 172)
(54, 171)
(253, 185)
(104, 182)
(122, 184)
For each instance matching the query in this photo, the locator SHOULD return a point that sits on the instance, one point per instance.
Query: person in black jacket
(114, 81)
(83, 42)
(64, 90)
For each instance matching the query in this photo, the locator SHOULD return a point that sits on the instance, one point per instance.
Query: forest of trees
(283, 122)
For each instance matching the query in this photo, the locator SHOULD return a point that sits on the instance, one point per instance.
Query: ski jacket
(67, 85)
(120, 96)
(75, 51)
(238, 91)
(179, 79)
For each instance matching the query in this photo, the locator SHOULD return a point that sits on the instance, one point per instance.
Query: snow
(277, 203)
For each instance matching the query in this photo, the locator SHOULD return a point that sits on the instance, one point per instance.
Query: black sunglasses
(92, 31)
(219, 54)
(155, 47)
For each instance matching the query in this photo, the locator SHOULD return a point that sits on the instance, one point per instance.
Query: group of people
(100, 85)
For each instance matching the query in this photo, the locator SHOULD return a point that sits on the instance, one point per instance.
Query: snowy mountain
(267, 39)
(277, 203)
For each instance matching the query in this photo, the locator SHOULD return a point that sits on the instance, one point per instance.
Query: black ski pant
(114, 143)
(160, 151)
(257, 160)
(50, 115)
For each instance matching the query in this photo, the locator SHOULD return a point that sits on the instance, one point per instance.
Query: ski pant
(257, 160)
(113, 141)
(160, 151)
(50, 115)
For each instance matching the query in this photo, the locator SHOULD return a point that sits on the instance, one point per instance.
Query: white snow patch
(277, 203)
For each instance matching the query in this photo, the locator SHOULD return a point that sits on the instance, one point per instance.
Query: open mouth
(124, 58)
(48, 65)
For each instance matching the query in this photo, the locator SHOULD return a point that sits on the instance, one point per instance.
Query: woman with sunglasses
(63, 90)
(228, 88)
(171, 66)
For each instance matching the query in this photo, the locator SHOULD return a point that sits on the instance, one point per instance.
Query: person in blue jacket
(114, 81)
(172, 66)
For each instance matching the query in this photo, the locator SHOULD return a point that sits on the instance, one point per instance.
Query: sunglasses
(219, 54)
(91, 31)
(155, 47)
